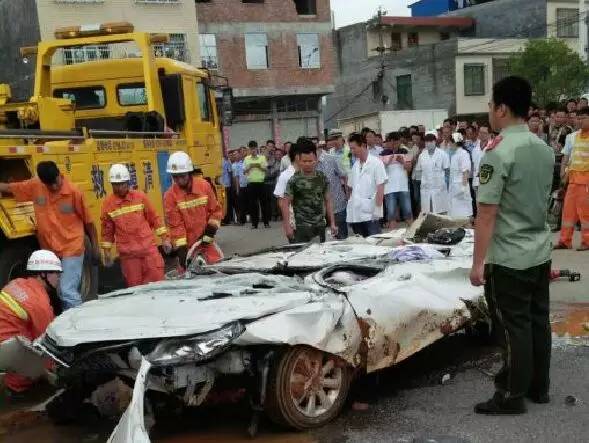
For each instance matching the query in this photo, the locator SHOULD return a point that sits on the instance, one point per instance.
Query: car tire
(13, 259)
(307, 388)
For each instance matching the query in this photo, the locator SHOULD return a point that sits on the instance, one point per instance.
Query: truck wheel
(89, 285)
(13, 259)
(307, 388)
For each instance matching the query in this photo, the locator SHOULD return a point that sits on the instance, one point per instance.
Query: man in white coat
(366, 179)
(460, 167)
(433, 163)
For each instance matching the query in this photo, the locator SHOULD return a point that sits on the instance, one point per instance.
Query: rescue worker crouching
(129, 221)
(28, 305)
(192, 211)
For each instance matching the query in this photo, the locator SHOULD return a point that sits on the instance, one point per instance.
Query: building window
(567, 23)
(404, 92)
(306, 7)
(412, 39)
(132, 94)
(396, 44)
(175, 48)
(474, 79)
(444, 36)
(256, 51)
(208, 51)
(204, 102)
(309, 54)
(500, 69)
(91, 97)
(85, 54)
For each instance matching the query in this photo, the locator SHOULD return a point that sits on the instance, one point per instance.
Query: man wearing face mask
(129, 221)
(432, 165)
(192, 211)
(28, 305)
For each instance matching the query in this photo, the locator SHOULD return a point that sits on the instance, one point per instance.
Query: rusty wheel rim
(315, 383)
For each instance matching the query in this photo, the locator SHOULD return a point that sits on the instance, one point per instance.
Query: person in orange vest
(63, 221)
(575, 170)
(129, 221)
(192, 211)
(28, 305)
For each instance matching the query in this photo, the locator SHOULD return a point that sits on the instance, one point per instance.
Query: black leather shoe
(499, 405)
(540, 399)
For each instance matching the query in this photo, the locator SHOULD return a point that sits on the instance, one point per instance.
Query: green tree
(553, 69)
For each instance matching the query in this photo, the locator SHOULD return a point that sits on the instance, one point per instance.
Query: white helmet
(119, 174)
(179, 163)
(44, 261)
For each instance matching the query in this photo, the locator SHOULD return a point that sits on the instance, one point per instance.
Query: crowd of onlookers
(370, 181)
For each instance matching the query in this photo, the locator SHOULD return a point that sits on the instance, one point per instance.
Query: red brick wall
(223, 11)
(284, 70)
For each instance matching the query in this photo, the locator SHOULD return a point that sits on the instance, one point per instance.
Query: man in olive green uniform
(512, 249)
(308, 193)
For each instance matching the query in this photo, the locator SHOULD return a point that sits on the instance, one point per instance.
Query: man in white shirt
(433, 164)
(367, 179)
(372, 141)
(283, 179)
(397, 161)
(446, 138)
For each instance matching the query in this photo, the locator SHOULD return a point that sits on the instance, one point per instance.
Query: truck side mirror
(173, 95)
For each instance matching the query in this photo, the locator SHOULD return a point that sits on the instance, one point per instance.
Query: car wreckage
(294, 325)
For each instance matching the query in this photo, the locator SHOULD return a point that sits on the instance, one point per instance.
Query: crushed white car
(295, 325)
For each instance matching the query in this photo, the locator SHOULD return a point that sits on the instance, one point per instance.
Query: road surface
(408, 403)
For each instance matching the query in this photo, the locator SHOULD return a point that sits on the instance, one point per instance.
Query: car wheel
(306, 388)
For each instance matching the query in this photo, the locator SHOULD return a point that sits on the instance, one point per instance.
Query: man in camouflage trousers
(308, 193)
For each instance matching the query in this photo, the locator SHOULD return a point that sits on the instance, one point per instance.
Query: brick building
(277, 56)
(25, 22)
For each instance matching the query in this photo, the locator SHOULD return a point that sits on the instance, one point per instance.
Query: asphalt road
(408, 403)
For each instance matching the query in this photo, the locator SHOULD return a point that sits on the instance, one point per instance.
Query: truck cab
(134, 109)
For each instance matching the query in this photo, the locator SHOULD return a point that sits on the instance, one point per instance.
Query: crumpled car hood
(178, 308)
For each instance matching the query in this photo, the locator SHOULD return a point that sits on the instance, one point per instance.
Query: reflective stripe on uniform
(181, 242)
(161, 231)
(106, 245)
(202, 201)
(126, 210)
(13, 305)
(214, 222)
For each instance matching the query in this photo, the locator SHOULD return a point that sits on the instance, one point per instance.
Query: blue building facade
(425, 8)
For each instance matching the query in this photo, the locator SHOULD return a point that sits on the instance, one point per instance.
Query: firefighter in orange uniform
(575, 169)
(129, 221)
(26, 306)
(193, 213)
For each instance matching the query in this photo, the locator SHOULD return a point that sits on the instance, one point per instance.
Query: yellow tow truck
(135, 110)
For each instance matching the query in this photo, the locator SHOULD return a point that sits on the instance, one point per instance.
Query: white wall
(480, 51)
(551, 20)
(473, 104)
(168, 17)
